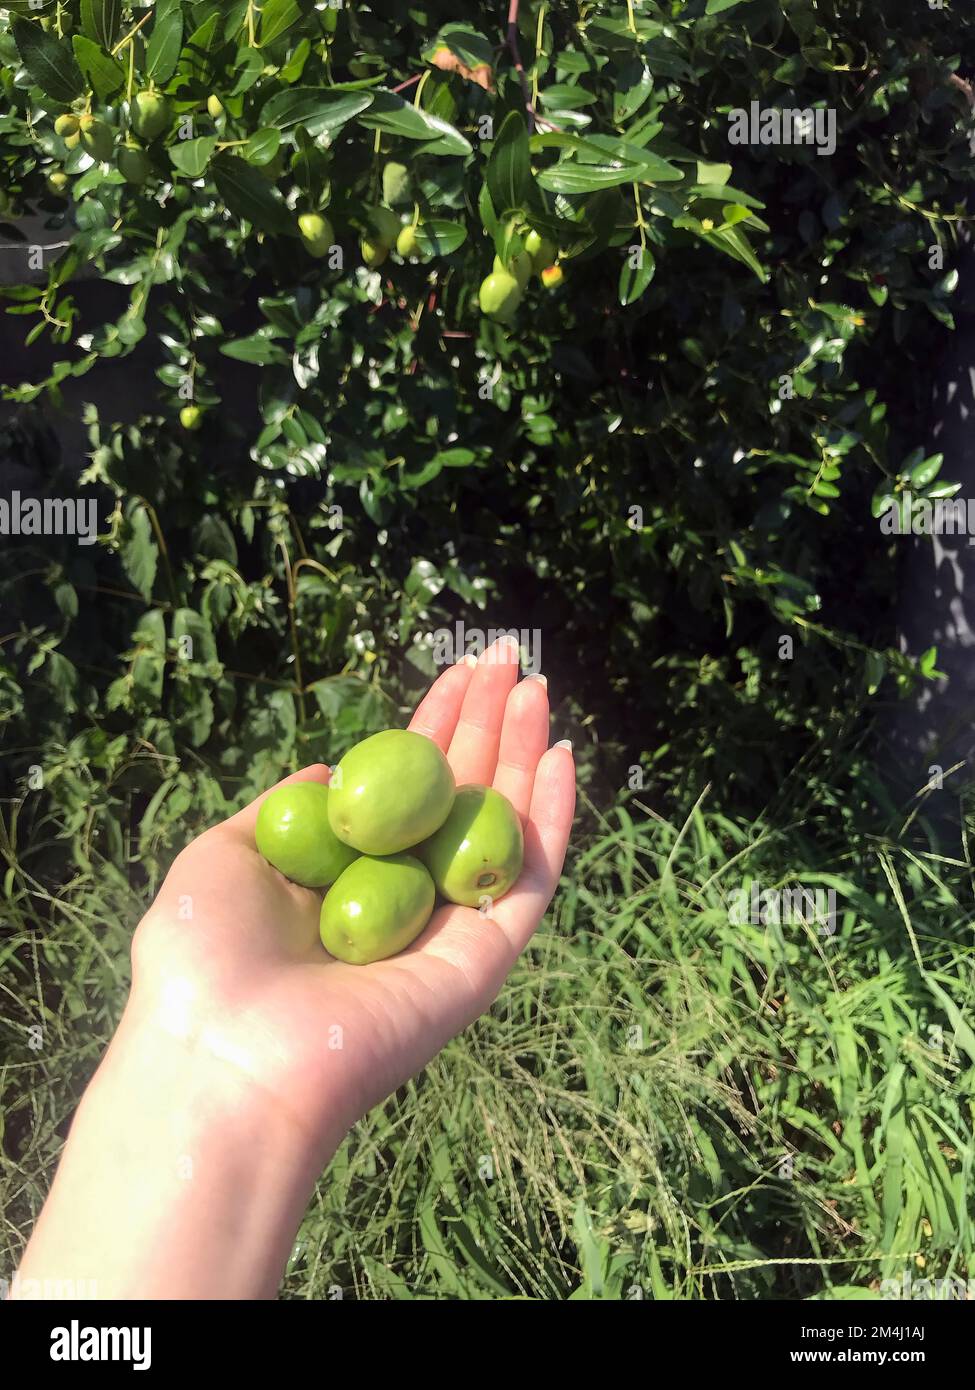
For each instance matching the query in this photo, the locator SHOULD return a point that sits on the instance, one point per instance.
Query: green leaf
(735, 244)
(399, 117)
(964, 1036)
(599, 162)
(634, 84)
(295, 65)
(422, 475)
(485, 208)
(942, 490)
(313, 108)
(927, 470)
(188, 623)
(215, 539)
(509, 166)
(50, 61)
(717, 174)
(105, 75)
(101, 21)
(197, 52)
(564, 96)
(276, 17)
(191, 157)
(163, 50)
(248, 194)
(263, 145)
(192, 711)
(592, 1250)
(616, 36)
(635, 279)
(259, 348)
(876, 670)
(248, 67)
(139, 553)
(62, 677)
(735, 213)
(470, 46)
(893, 1127)
(716, 6)
(573, 177)
(439, 238)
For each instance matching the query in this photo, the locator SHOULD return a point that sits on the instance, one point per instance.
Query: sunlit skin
(245, 1053)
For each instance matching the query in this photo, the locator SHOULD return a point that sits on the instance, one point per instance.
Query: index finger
(437, 713)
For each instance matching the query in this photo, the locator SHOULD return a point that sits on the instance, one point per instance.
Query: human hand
(228, 962)
(246, 1052)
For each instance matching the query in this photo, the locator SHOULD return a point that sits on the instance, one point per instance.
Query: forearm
(178, 1180)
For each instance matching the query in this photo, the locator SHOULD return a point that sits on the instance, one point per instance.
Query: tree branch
(534, 119)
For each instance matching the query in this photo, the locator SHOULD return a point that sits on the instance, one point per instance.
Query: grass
(662, 1104)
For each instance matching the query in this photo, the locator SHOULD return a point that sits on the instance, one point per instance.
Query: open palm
(229, 963)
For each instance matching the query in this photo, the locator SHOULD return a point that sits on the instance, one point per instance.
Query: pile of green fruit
(503, 290)
(391, 793)
(149, 116)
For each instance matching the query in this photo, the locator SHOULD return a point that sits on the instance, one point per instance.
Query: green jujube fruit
(150, 114)
(396, 184)
(406, 243)
(479, 850)
(520, 267)
(373, 252)
(376, 908)
(317, 233)
(294, 835)
(499, 295)
(97, 138)
(134, 165)
(390, 792)
(542, 251)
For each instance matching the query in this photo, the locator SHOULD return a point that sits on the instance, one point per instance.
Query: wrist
(182, 1177)
(205, 1084)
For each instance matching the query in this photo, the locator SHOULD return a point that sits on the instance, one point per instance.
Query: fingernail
(467, 660)
(564, 743)
(537, 676)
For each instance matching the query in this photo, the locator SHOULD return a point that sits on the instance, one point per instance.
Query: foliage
(660, 469)
(615, 469)
(724, 1111)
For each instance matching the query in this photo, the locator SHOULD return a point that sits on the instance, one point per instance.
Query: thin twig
(533, 117)
(963, 86)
